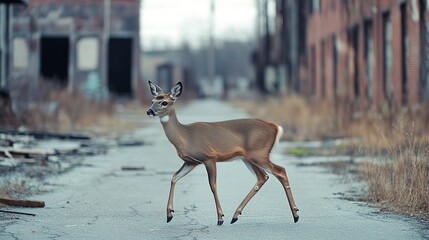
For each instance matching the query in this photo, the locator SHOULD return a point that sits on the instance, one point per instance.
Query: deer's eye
(164, 103)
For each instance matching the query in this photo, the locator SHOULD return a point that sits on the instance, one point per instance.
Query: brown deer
(210, 142)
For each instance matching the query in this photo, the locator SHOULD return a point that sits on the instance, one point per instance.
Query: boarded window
(20, 53)
(87, 53)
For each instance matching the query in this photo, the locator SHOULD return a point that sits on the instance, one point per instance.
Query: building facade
(87, 45)
(366, 52)
(369, 51)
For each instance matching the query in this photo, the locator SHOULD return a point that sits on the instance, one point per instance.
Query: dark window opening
(313, 71)
(353, 36)
(334, 65)
(404, 53)
(54, 59)
(424, 58)
(119, 66)
(387, 56)
(322, 68)
(369, 58)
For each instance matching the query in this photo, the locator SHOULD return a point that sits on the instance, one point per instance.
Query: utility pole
(105, 42)
(211, 53)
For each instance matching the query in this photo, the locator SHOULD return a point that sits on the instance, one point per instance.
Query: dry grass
(15, 188)
(395, 141)
(399, 176)
(301, 119)
(64, 111)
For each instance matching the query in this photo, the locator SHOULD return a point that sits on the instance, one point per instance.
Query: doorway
(54, 59)
(120, 66)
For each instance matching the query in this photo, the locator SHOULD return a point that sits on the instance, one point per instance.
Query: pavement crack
(136, 212)
(93, 220)
(4, 227)
(196, 228)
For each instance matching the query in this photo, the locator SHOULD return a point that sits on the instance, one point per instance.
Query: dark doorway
(424, 58)
(404, 53)
(54, 59)
(119, 67)
(387, 57)
(369, 58)
(164, 75)
(353, 36)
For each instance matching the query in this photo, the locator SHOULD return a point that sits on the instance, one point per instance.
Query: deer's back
(228, 139)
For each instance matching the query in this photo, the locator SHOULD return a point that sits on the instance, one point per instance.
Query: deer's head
(162, 102)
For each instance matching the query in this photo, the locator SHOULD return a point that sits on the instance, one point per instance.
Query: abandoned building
(368, 52)
(87, 45)
(5, 11)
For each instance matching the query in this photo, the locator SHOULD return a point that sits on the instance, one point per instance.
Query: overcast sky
(171, 22)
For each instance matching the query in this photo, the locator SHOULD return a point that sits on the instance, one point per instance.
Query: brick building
(369, 51)
(364, 51)
(87, 45)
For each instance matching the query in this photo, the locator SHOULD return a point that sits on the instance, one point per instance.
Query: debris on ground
(130, 168)
(15, 212)
(22, 203)
(27, 157)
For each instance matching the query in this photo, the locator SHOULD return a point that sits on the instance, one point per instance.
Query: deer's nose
(150, 112)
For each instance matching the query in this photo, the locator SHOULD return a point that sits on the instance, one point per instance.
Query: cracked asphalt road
(100, 201)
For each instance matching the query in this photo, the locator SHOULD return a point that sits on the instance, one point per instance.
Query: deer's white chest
(164, 119)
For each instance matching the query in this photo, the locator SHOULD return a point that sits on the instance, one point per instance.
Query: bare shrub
(399, 177)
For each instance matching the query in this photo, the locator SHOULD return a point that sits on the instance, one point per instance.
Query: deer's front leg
(211, 172)
(185, 169)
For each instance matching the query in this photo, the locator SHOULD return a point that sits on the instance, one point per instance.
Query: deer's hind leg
(280, 173)
(262, 177)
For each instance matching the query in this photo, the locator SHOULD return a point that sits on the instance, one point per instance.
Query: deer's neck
(173, 129)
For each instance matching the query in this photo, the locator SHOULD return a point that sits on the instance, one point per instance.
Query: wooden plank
(47, 135)
(22, 203)
(26, 151)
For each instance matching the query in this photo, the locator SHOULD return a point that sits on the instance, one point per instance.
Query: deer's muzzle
(150, 112)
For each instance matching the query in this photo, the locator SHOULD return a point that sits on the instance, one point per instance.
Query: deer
(207, 143)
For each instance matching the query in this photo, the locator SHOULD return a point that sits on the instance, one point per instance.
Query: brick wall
(339, 20)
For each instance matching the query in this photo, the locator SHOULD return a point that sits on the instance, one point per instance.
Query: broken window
(20, 53)
(87, 53)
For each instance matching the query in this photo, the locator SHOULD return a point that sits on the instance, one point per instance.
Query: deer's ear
(176, 91)
(155, 89)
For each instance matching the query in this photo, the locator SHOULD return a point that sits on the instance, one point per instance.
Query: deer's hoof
(219, 223)
(169, 218)
(234, 220)
(296, 218)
